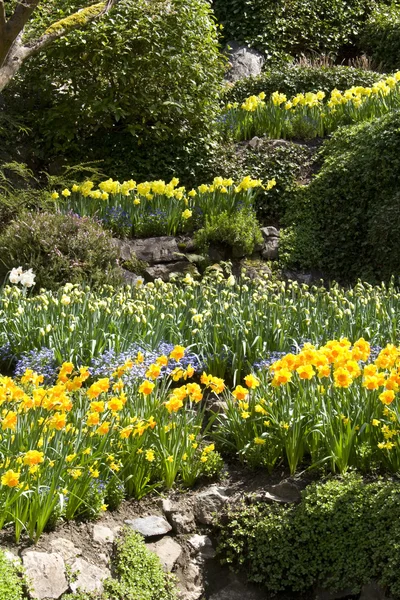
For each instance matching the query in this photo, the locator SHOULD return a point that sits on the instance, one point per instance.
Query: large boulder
(244, 62)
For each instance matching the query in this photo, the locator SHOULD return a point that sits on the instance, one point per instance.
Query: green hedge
(296, 79)
(343, 534)
(137, 90)
(347, 221)
(281, 27)
(287, 162)
(381, 37)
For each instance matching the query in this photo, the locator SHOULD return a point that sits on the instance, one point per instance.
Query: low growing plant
(343, 534)
(241, 232)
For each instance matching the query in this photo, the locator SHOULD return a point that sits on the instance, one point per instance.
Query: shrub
(279, 28)
(381, 37)
(241, 232)
(149, 103)
(59, 249)
(139, 572)
(286, 162)
(11, 587)
(341, 535)
(345, 221)
(294, 80)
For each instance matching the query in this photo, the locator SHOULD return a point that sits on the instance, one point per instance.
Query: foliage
(59, 248)
(278, 28)
(240, 231)
(324, 406)
(163, 54)
(381, 37)
(285, 162)
(296, 79)
(306, 116)
(294, 548)
(65, 445)
(340, 217)
(10, 582)
(139, 572)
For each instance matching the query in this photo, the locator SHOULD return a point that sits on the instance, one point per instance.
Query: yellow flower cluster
(149, 189)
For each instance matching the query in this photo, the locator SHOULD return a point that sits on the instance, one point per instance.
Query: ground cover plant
(307, 116)
(343, 534)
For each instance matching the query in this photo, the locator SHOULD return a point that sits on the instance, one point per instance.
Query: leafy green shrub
(345, 222)
(139, 574)
(11, 587)
(292, 80)
(343, 534)
(149, 103)
(59, 249)
(381, 37)
(279, 27)
(241, 232)
(286, 162)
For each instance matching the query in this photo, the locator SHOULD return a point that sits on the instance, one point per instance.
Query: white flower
(231, 281)
(65, 300)
(15, 275)
(27, 279)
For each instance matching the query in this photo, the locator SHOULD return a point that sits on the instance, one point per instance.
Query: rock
(255, 269)
(269, 232)
(164, 271)
(12, 558)
(65, 548)
(323, 594)
(150, 526)
(238, 591)
(217, 405)
(244, 62)
(208, 503)
(162, 249)
(102, 534)
(255, 143)
(301, 277)
(202, 546)
(270, 249)
(181, 519)
(46, 574)
(284, 493)
(372, 591)
(192, 575)
(87, 577)
(131, 278)
(168, 551)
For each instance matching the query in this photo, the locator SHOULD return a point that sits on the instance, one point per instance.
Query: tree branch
(2, 20)
(75, 21)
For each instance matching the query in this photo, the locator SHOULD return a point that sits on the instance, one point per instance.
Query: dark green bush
(343, 534)
(346, 221)
(59, 249)
(138, 90)
(241, 232)
(11, 587)
(294, 80)
(287, 162)
(380, 38)
(281, 27)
